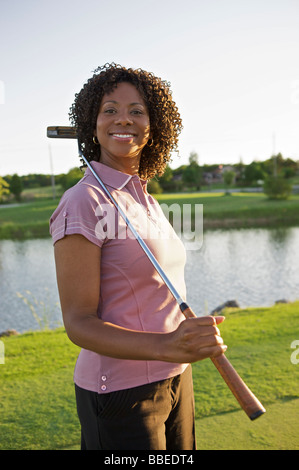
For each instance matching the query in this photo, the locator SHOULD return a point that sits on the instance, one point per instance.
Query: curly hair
(165, 120)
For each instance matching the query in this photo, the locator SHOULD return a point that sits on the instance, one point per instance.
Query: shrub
(276, 187)
(154, 187)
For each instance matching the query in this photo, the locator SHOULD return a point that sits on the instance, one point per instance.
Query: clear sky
(232, 64)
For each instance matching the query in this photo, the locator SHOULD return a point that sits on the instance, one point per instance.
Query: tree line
(276, 171)
(15, 184)
(274, 175)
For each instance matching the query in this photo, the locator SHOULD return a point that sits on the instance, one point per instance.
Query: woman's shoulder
(77, 212)
(84, 192)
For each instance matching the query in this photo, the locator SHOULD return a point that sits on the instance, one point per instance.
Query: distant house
(214, 176)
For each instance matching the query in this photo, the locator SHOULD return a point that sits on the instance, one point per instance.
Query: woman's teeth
(124, 136)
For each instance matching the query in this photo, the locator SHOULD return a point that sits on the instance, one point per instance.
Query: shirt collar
(111, 177)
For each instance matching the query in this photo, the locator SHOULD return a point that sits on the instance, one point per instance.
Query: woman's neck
(128, 165)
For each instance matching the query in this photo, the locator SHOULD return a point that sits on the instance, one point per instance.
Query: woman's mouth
(123, 137)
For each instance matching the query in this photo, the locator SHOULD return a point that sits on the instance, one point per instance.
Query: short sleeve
(78, 212)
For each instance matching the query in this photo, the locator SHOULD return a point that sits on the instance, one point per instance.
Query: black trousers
(156, 416)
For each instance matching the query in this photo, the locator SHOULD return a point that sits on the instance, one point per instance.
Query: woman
(133, 375)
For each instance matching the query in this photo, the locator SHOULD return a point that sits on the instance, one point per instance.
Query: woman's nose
(123, 118)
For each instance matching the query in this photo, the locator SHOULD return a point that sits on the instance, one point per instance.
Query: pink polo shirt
(132, 294)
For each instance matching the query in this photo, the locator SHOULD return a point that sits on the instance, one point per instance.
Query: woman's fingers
(199, 338)
(213, 352)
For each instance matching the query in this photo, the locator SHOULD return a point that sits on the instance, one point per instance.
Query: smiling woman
(133, 379)
(153, 98)
(123, 128)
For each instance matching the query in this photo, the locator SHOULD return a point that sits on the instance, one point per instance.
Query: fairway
(31, 220)
(278, 429)
(238, 209)
(37, 402)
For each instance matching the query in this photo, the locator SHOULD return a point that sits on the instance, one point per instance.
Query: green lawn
(239, 209)
(37, 404)
(275, 430)
(242, 209)
(27, 220)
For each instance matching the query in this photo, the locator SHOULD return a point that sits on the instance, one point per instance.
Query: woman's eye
(136, 112)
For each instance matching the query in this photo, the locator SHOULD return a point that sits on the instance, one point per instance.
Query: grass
(275, 430)
(37, 404)
(29, 220)
(42, 192)
(238, 209)
(259, 342)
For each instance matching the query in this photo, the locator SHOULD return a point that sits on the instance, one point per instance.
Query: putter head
(62, 132)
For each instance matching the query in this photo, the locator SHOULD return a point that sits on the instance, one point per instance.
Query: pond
(256, 267)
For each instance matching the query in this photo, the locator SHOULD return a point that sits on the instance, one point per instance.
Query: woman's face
(122, 127)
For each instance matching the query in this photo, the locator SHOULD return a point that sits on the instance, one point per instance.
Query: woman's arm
(78, 277)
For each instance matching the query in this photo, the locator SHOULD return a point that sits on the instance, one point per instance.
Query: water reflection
(252, 266)
(26, 267)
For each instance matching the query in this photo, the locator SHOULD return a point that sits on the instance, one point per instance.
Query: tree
(16, 186)
(192, 173)
(277, 187)
(71, 178)
(154, 187)
(229, 177)
(4, 188)
(193, 158)
(166, 180)
(167, 175)
(254, 172)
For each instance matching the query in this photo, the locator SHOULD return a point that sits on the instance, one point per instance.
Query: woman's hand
(195, 339)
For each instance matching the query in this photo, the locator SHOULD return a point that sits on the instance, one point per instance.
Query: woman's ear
(150, 142)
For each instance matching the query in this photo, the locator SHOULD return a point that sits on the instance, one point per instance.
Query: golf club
(250, 404)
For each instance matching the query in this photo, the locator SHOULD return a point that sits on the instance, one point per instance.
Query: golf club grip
(248, 401)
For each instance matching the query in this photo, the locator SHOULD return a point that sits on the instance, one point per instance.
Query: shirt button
(103, 388)
(64, 214)
(104, 378)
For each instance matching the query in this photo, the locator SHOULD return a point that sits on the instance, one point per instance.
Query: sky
(232, 64)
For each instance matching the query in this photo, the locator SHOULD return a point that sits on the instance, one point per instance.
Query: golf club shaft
(134, 232)
(250, 404)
